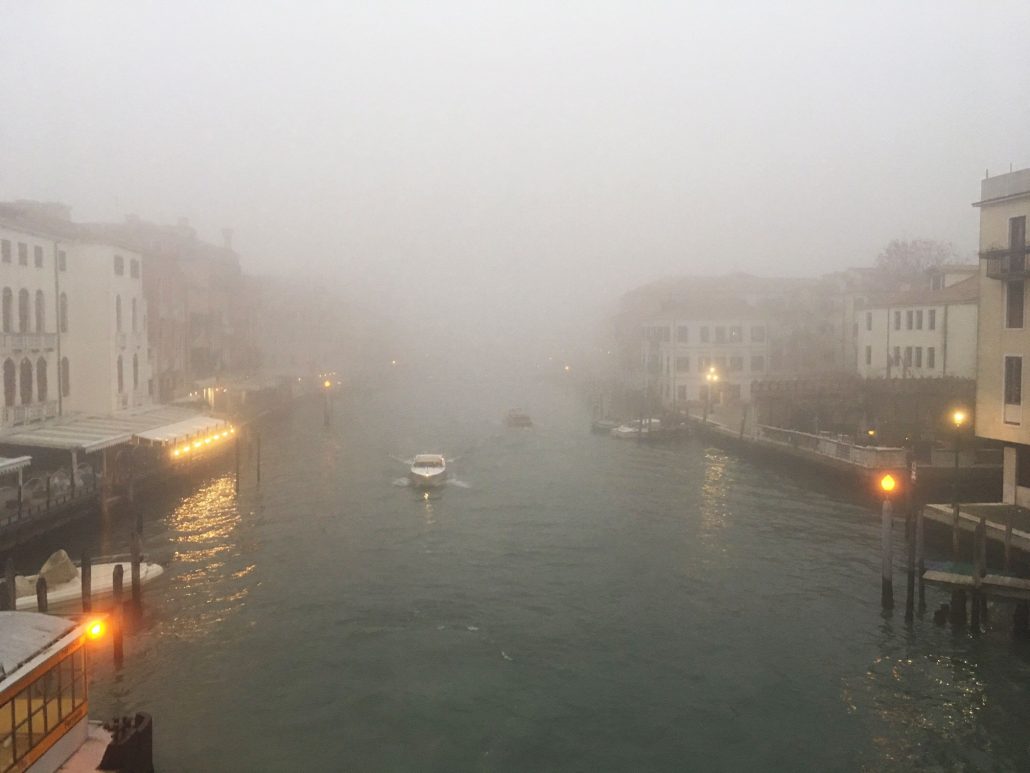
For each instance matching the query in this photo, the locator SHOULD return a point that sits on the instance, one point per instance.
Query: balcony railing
(1006, 264)
(26, 414)
(27, 342)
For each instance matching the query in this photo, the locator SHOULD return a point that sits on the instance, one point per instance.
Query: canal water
(569, 602)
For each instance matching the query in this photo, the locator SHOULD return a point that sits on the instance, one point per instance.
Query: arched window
(133, 315)
(118, 313)
(121, 379)
(8, 310)
(66, 381)
(135, 371)
(40, 312)
(41, 380)
(23, 311)
(64, 313)
(10, 387)
(26, 382)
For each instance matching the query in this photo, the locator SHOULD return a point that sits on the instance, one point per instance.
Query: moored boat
(638, 428)
(64, 583)
(516, 418)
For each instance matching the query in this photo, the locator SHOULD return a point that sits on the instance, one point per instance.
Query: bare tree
(905, 260)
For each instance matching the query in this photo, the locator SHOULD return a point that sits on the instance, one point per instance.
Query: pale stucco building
(924, 332)
(1004, 345)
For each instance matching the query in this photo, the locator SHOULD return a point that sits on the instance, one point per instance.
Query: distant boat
(638, 428)
(428, 471)
(518, 419)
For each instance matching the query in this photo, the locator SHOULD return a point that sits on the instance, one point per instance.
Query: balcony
(27, 342)
(1006, 264)
(27, 414)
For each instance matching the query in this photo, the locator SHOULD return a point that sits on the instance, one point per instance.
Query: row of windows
(18, 381)
(910, 357)
(119, 267)
(25, 311)
(39, 709)
(721, 364)
(720, 334)
(118, 314)
(7, 255)
(913, 319)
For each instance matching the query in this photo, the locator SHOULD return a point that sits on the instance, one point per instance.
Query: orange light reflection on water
(209, 583)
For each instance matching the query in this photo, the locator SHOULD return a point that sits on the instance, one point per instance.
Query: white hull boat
(428, 471)
(67, 595)
(639, 428)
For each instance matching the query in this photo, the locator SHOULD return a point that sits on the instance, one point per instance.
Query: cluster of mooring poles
(256, 448)
(967, 588)
(120, 608)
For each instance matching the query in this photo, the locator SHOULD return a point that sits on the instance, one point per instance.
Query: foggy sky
(515, 162)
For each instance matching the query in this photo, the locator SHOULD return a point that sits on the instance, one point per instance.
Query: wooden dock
(1000, 586)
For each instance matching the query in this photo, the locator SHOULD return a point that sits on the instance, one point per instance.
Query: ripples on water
(588, 604)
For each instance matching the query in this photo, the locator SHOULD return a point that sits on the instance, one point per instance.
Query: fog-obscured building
(1003, 343)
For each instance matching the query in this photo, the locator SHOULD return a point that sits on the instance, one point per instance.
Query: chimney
(227, 239)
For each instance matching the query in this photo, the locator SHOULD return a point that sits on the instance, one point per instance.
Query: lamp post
(327, 386)
(887, 487)
(712, 377)
(958, 419)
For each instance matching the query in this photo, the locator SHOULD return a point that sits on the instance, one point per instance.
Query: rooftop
(1003, 187)
(966, 291)
(24, 635)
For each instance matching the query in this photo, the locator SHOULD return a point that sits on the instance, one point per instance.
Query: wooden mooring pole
(237, 463)
(136, 551)
(9, 600)
(886, 545)
(1008, 540)
(41, 600)
(86, 573)
(117, 616)
(920, 556)
(258, 450)
(910, 579)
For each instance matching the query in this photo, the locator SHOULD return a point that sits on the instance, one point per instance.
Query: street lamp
(712, 377)
(958, 420)
(888, 484)
(327, 385)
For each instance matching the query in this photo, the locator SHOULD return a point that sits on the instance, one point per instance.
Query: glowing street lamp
(888, 484)
(712, 377)
(958, 420)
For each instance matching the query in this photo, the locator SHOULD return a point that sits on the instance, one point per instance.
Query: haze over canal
(579, 603)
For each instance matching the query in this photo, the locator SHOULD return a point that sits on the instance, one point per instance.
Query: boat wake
(454, 482)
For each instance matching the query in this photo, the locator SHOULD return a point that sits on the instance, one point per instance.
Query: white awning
(94, 433)
(9, 465)
(180, 430)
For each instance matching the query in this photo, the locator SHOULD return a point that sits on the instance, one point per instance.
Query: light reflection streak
(713, 504)
(914, 700)
(204, 529)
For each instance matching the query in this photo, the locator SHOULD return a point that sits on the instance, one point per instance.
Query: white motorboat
(428, 471)
(64, 583)
(637, 428)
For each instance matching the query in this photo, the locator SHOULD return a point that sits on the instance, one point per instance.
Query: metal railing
(26, 414)
(27, 342)
(45, 493)
(838, 448)
(1006, 264)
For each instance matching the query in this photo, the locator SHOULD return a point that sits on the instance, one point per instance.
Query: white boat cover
(173, 433)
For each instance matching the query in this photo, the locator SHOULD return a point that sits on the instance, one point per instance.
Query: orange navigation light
(887, 483)
(958, 418)
(327, 383)
(95, 629)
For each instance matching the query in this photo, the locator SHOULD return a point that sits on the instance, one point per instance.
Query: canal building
(928, 331)
(1004, 346)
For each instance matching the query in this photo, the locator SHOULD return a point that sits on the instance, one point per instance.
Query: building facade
(73, 318)
(1004, 345)
(926, 332)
